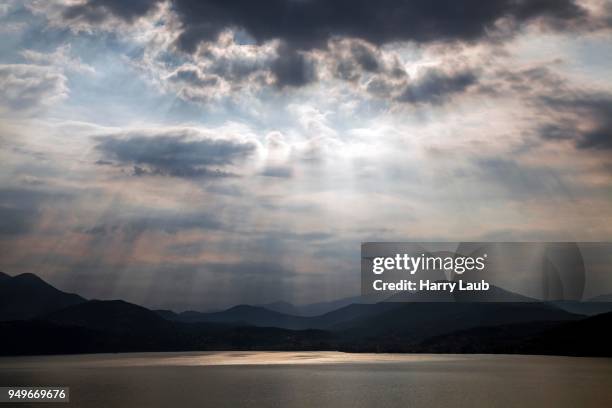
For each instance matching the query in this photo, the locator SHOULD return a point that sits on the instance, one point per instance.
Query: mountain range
(36, 318)
(27, 296)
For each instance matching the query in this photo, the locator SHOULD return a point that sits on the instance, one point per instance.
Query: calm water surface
(315, 379)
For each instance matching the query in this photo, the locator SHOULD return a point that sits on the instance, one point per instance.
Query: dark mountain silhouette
(116, 326)
(245, 315)
(499, 339)
(26, 296)
(589, 308)
(586, 337)
(401, 328)
(111, 315)
(371, 318)
(43, 337)
(602, 298)
(318, 308)
(259, 316)
(283, 307)
(400, 321)
(494, 294)
(167, 314)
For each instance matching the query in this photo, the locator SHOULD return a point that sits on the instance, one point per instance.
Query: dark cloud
(354, 59)
(103, 163)
(436, 87)
(307, 24)
(527, 81)
(303, 25)
(566, 112)
(365, 57)
(174, 154)
(585, 119)
(292, 68)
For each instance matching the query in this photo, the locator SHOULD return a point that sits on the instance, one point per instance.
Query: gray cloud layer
(28, 88)
(309, 24)
(586, 119)
(174, 154)
(436, 86)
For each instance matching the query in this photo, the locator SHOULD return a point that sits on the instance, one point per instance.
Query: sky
(199, 154)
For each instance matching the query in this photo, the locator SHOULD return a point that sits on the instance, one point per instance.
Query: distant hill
(246, 315)
(259, 316)
(282, 307)
(111, 315)
(589, 308)
(407, 321)
(586, 337)
(493, 294)
(167, 314)
(53, 326)
(399, 328)
(602, 298)
(27, 296)
(318, 308)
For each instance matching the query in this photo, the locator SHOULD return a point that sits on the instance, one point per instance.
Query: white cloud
(61, 59)
(28, 88)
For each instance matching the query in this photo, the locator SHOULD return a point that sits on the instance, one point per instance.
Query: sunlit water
(315, 379)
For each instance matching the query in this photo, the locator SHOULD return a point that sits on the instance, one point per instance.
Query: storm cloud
(436, 87)
(292, 69)
(174, 154)
(310, 24)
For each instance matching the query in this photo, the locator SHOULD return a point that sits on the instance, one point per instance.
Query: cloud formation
(298, 30)
(250, 146)
(180, 153)
(310, 24)
(20, 208)
(169, 223)
(584, 118)
(28, 88)
(99, 10)
(436, 86)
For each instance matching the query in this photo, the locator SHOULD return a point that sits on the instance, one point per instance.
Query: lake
(315, 379)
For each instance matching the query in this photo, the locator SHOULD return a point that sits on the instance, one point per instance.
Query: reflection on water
(319, 379)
